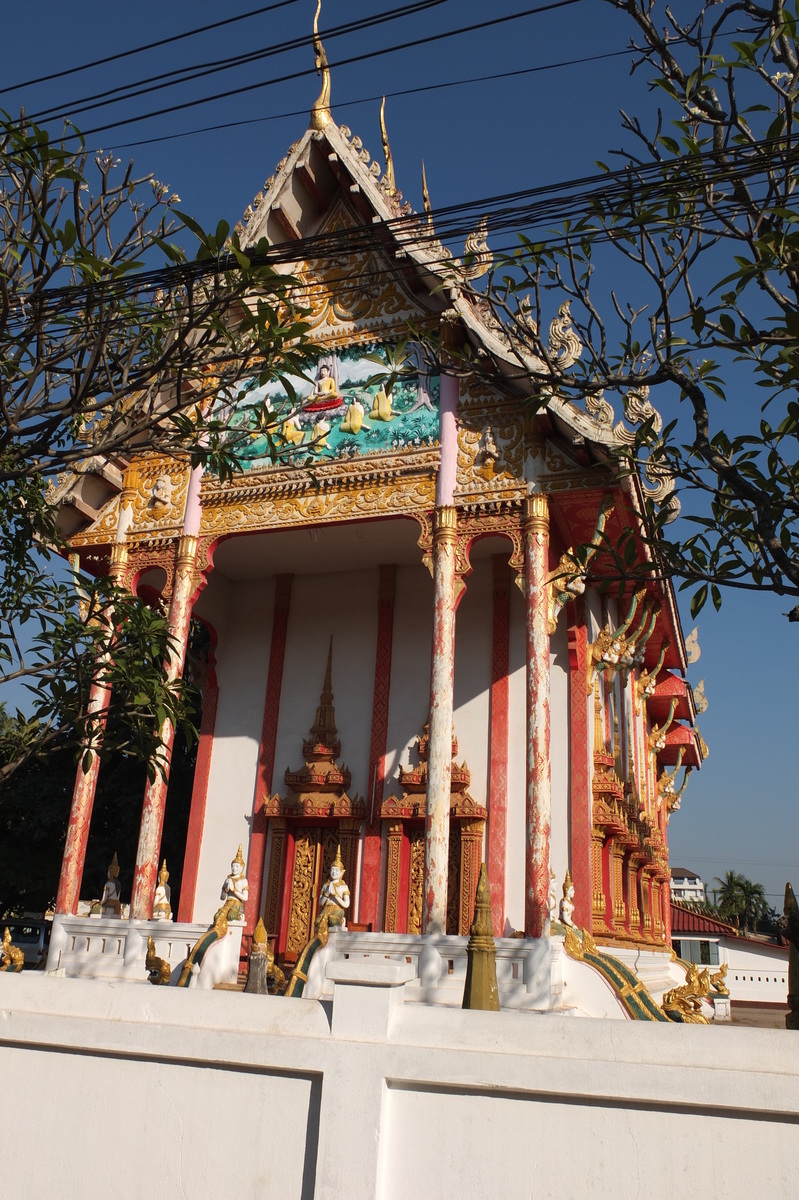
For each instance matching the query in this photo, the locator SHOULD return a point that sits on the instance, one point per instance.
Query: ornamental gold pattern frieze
(391, 485)
(155, 508)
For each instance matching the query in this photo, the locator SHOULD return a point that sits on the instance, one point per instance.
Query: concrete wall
(151, 1091)
(756, 973)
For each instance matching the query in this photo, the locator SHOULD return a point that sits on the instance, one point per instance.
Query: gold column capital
(536, 511)
(119, 559)
(187, 549)
(445, 522)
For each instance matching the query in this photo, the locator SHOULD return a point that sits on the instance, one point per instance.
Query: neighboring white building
(757, 968)
(687, 887)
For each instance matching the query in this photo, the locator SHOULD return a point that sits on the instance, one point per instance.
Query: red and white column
(80, 814)
(442, 671)
(145, 873)
(539, 784)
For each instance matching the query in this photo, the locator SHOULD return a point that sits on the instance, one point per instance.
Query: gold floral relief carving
(157, 505)
(416, 881)
(302, 898)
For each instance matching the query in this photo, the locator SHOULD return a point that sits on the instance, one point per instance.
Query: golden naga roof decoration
(320, 113)
(390, 182)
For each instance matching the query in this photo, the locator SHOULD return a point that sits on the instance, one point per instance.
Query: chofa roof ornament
(320, 113)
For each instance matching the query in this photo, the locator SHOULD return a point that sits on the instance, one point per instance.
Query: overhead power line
(166, 41)
(356, 58)
(507, 213)
(165, 79)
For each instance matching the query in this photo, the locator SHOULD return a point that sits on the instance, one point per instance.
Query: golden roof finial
(320, 113)
(428, 208)
(387, 149)
(259, 934)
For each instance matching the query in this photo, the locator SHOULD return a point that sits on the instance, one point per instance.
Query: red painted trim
(266, 754)
(580, 799)
(370, 863)
(496, 848)
(199, 791)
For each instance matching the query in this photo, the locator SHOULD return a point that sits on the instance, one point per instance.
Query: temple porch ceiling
(326, 550)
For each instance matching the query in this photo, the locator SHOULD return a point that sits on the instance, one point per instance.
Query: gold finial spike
(113, 870)
(428, 208)
(259, 934)
(337, 860)
(480, 989)
(239, 856)
(387, 148)
(320, 113)
(163, 874)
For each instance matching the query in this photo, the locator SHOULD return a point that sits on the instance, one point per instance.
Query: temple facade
(405, 660)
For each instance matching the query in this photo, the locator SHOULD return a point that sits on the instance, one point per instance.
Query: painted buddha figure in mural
(353, 422)
(381, 407)
(236, 888)
(334, 898)
(324, 394)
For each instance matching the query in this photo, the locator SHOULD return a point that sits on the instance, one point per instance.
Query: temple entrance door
(416, 879)
(314, 851)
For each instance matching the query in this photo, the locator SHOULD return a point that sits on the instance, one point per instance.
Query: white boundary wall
(136, 1091)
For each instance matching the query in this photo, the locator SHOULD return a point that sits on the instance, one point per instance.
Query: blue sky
(477, 140)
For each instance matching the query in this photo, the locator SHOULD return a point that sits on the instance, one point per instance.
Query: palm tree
(754, 904)
(729, 895)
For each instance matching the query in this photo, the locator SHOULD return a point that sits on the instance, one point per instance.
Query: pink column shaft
(539, 791)
(80, 815)
(154, 805)
(439, 762)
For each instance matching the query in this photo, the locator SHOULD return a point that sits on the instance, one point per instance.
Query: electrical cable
(452, 222)
(166, 79)
(370, 55)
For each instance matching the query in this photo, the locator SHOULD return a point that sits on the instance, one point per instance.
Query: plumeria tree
(114, 339)
(699, 210)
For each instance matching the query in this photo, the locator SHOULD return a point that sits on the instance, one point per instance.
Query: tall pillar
(88, 770)
(539, 786)
(496, 850)
(145, 872)
(439, 763)
(266, 757)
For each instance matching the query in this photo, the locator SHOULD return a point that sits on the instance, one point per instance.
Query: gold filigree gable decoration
(319, 788)
(413, 780)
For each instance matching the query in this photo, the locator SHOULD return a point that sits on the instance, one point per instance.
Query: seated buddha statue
(334, 898)
(110, 905)
(162, 907)
(324, 394)
(236, 888)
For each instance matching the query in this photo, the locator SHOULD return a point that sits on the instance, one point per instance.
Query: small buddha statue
(162, 907)
(334, 898)
(381, 407)
(567, 903)
(319, 435)
(110, 901)
(292, 431)
(353, 422)
(236, 888)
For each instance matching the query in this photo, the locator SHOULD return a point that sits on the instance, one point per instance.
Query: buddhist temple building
(406, 660)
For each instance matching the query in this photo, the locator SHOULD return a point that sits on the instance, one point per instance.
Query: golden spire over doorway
(320, 113)
(387, 149)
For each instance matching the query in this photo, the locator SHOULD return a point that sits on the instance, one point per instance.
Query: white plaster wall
(756, 973)
(559, 759)
(242, 664)
(517, 770)
(560, 741)
(220, 1094)
(344, 605)
(409, 699)
(473, 646)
